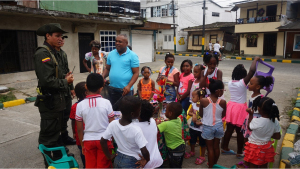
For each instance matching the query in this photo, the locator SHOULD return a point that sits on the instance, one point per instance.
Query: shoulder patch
(46, 60)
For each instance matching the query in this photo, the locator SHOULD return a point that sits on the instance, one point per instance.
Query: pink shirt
(184, 83)
(171, 75)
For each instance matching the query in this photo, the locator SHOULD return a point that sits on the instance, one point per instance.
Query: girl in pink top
(185, 84)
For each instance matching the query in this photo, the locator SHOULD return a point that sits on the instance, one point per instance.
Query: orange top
(146, 90)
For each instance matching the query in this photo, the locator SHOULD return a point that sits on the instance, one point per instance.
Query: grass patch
(8, 96)
(290, 113)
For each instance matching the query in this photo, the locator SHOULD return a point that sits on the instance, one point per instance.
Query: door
(168, 42)
(270, 44)
(142, 45)
(271, 12)
(84, 47)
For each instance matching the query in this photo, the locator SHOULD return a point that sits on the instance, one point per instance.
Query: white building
(188, 13)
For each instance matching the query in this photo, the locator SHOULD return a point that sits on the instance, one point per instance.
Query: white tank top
(212, 114)
(193, 88)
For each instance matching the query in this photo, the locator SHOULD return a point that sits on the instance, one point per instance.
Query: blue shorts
(211, 132)
(125, 161)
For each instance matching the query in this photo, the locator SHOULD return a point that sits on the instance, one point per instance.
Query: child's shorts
(197, 134)
(125, 161)
(211, 132)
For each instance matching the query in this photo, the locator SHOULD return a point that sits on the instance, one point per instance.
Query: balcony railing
(262, 19)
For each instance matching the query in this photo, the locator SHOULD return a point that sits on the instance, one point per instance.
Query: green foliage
(7, 97)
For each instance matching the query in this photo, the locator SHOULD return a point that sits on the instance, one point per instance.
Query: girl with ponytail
(259, 150)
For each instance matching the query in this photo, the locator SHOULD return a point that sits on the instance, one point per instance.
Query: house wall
(260, 45)
(257, 27)
(82, 6)
(71, 46)
(284, 7)
(207, 39)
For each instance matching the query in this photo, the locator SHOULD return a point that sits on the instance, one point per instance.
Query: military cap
(49, 28)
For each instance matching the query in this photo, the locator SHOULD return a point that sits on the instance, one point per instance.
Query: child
(173, 77)
(197, 75)
(96, 57)
(236, 107)
(196, 127)
(146, 85)
(185, 83)
(149, 128)
(259, 150)
(211, 71)
(129, 137)
(172, 132)
(96, 113)
(80, 94)
(212, 110)
(256, 83)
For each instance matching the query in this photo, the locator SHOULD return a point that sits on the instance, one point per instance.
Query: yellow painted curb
(297, 109)
(282, 164)
(286, 143)
(286, 61)
(298, 99)
(201, 55)
(195, 55)
(158, 52)
(248, 58)
(187, 54)
(295, 118)
(298, 94)
(13, 103)
(239, 58)
(274, 60)
(289, 137)
(157, 71)
(262, 59)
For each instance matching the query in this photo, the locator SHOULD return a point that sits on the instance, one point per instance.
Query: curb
(238, 58)
(289, 138)
(16, 102)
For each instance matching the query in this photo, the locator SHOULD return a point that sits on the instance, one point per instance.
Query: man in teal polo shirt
(122, 67)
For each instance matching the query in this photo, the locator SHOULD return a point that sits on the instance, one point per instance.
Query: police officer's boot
(67, 140)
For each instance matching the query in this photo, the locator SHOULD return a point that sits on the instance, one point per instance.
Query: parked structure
(260, 27)
(218, 31)
(188, 13)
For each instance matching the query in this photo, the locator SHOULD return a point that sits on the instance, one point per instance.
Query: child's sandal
(188, 155)
(200, 160)
(240, 156)
(241, 165)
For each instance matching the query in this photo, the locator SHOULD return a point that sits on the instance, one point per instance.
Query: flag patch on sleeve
(45, 60)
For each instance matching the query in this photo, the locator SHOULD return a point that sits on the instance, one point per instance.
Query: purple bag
(259, 73)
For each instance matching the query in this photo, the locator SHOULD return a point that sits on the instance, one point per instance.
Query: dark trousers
(81, 155)
(66, 116)
(115, 96)
(176, 156)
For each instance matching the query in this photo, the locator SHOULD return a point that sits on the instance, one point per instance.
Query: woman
(96, 57)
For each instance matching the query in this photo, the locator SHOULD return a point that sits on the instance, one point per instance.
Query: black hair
(201, 67)
(129, 104)
(188, 61)
(215, 85)
(129, 47)
(46, 36)
(200, 92)
(169, 55)
(80, 91)
(95, 43)
(146, 111)
(175, 108)
(239, 72)
(268, 106)
(264, 81)
(207, 57)
(94, 82)
(143, 68)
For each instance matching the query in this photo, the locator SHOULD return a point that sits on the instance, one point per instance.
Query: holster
(47, 98)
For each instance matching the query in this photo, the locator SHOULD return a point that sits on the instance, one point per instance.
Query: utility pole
(203, 29)
(174, 28)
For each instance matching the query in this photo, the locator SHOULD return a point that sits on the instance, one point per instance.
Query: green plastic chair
(65, 162)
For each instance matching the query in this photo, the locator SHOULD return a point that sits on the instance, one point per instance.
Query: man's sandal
(200, 160)
(230, 152)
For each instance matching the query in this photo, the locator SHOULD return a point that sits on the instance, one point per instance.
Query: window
(108, 40)
(164, 10)
(213, 38)
(197, 40)
(296, 46)
(251, 40)
(217, 14)
(16, 50)
(153, 12)
(143, 13)
(158, 12)
(251, 13)
(170, 38)
(166, 38)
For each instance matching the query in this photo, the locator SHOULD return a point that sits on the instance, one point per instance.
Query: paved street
(20, 125)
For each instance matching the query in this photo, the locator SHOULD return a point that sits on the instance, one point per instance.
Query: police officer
(52, 86)
(65, 138)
